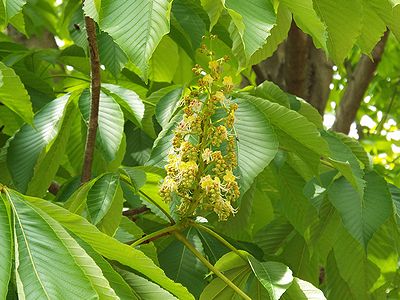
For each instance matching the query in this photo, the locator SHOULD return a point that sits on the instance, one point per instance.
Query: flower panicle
(202, 162)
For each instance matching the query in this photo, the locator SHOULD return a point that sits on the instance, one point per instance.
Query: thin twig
(155, 235)
(95, 100)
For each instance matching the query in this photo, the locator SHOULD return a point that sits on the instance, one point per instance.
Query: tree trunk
(299, 68)
(357, 85)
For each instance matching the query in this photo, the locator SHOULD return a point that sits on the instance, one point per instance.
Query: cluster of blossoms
(201, 164)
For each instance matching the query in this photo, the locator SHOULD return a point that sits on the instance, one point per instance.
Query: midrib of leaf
(239, 274)
(27, 246)
(72, 255)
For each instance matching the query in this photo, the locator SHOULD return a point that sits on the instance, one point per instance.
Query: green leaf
(164, 62)
(32, 146)
(6, 253)
(13, 93)
(111, 55)
(343, 159)
(357, 271)
(372, 29)
(343, 21)
(182, 266)
(213, 9)
(145, 289)
(256, 147)
(274, 276)
(12, 7)
(40, 242)
(295, 206)
(109, 247)
(128, 100)
(167, 105)
(253, 21)
(236, 269)
(308, 21)
(278, 34)
(303, 290)
(270, 91)
(111, 123)
(101, 196)
(362, 216)
(292, 123)
(120, 286)
(137, 27)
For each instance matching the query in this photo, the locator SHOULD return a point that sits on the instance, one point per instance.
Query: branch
(225, 279)
(135, 211)
(155, 235)
(94, 107)
(357, 86)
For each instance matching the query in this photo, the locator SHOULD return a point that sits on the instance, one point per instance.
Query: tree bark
(95, 100)
(298, 68)
(358, 83)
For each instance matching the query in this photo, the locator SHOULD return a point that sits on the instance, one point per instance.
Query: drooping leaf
(13, 94)
(111, 55)
(6, 254)
(251, 25)
(274, 276)
(343, 22)
(109, 247)
(307, 19)
(30, 145)
(213, 9)
(145, 289)
(362, 215)
(40, 242)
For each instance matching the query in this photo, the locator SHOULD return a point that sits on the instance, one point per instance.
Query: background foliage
(319, 211)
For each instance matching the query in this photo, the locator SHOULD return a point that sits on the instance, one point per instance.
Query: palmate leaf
(109, 247)
(40, 242)
(13, 94)
(35, 152)
(6, 254)
(343, 22)
(362, 215)
(111, 123)
(136, 26)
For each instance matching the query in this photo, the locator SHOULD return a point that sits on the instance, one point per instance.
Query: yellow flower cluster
(201, 164)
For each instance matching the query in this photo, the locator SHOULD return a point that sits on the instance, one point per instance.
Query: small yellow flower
(206, 183)
(213, 65)
(219, 96)
(207, 78)
(229, 177)
(206, 155)
(228, 83)
(169, 184)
